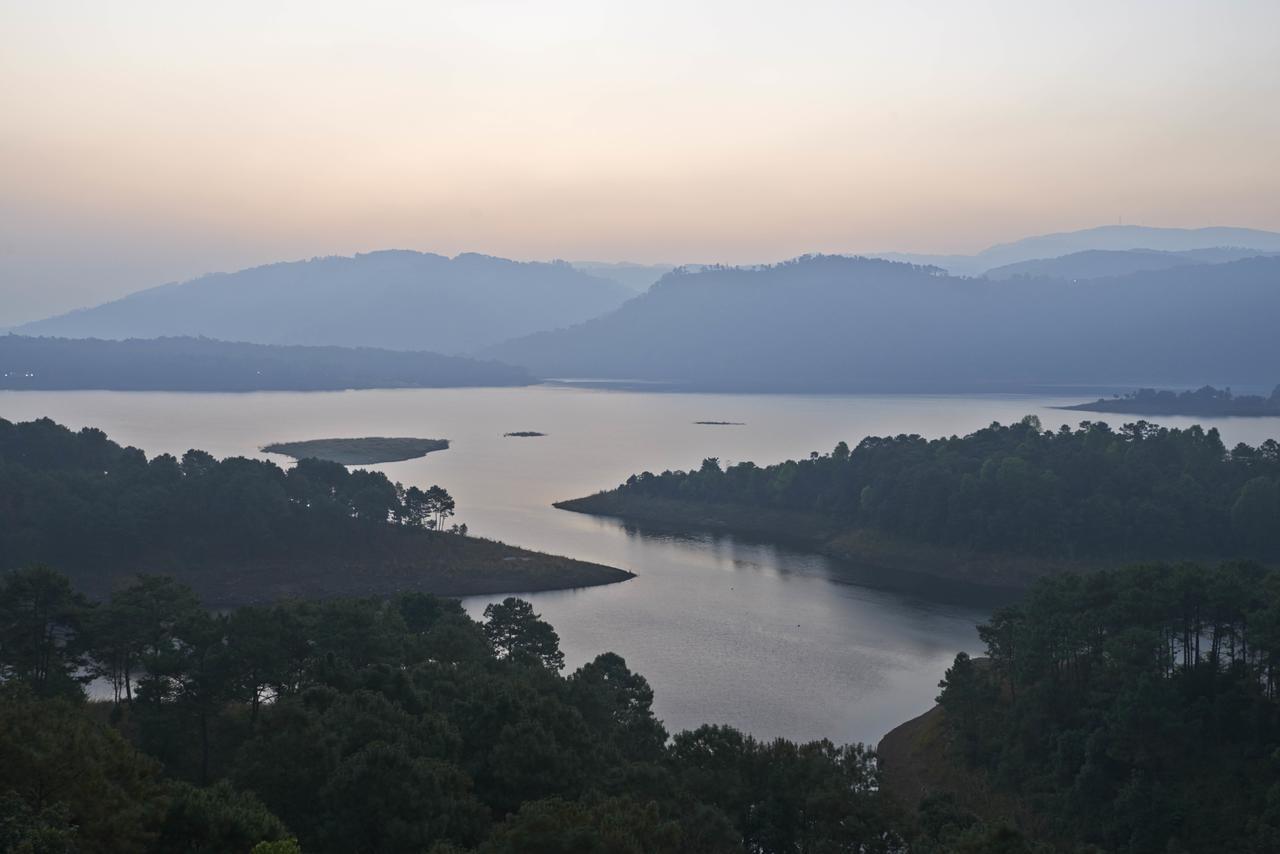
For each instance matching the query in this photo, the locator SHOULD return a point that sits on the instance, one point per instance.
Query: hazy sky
(145, 142)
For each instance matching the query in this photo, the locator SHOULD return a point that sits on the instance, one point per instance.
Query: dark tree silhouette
(519, 634)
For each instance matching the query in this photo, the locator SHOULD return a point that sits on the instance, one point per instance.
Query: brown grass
(916, 760)
(392, 561)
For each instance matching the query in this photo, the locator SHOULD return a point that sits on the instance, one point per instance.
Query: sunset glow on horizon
(147, 142)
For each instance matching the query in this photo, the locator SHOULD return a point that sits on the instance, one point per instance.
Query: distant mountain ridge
(1096, 263)
(1107, 237)
(839, 324)
(394, 299)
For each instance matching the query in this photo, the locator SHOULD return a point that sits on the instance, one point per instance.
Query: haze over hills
(201, 364)
(1109, 237)
(401, 299)
(830, 323)
(394, 299)
(635, 277)
(1096, 263)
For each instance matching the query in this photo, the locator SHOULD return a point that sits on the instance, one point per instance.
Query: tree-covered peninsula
(1205, 400)
(1001, 505)
(242, 530)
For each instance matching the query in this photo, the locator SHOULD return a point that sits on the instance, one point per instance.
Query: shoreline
(1179, 413)
(881, 555)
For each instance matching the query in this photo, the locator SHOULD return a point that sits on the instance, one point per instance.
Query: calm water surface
(777, 642)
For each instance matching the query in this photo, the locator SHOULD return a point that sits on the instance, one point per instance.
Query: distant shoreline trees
(205, 364)
(1206, 400)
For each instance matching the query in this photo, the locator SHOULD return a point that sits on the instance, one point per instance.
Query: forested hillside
(836, 324)
(368, 726)
(1133, 710)
(202, 364)
(1139, 492)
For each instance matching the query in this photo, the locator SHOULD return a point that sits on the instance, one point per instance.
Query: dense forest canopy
(202, 364)
(380, 726)
(77, 499)
(1135, 710)
(1142, 491)
(1205, 400)
(397, 299)
(837, 324)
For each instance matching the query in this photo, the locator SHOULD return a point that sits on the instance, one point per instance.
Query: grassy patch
(386, 561)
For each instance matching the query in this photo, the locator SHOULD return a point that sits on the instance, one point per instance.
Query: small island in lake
(722, 423)
(1203, 401)
(524, 434)
(358, 452)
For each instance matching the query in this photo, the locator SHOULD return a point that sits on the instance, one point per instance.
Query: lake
(771, 640)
